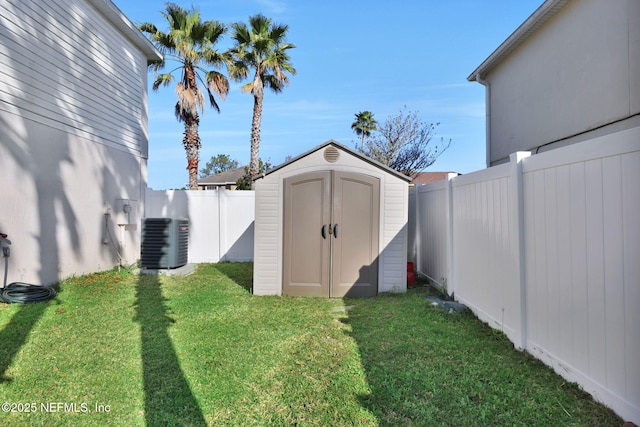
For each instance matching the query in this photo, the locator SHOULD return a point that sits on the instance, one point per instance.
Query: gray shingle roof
(223, 178)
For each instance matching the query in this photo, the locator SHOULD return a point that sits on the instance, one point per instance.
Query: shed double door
(331, 234)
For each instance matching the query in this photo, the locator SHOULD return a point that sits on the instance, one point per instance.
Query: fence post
(222, 219)
(517, 237)
(451, 280)
(418, 234)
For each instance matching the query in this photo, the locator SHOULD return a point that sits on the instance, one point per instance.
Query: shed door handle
(324, 231)
(335, 230)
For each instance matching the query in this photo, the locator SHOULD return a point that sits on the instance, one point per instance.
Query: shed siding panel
(267, 232)
(394, 222)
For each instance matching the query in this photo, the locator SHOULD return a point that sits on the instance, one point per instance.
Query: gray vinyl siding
(575, 78)
(73, 136)
(65, 66)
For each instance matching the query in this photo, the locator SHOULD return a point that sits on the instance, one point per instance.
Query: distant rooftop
(427, 177)
(221, 179)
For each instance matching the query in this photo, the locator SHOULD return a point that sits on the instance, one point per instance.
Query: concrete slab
(184, 270)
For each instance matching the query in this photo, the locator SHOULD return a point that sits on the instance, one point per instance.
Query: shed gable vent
(331, 154)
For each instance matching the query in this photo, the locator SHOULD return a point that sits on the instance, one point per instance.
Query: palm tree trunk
(192, 145)
(191, 139)
(254, 165)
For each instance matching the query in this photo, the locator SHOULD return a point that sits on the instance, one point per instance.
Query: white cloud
(273, 6)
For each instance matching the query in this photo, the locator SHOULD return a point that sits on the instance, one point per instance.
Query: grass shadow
(239, 272)
(396, 358)
(168, 399)
(427, 366)
(16, 334)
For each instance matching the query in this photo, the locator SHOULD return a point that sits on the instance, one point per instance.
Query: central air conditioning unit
(165, 242)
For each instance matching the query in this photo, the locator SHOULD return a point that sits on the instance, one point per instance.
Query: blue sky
(351, 56)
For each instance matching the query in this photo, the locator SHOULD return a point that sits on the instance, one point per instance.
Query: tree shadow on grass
(168, 400)
(16, 334)
(392, 362)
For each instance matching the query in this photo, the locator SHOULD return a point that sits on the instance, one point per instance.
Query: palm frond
(213, 30)
(212, 101)
(162, 79)
(189, 99)
(261, 46)
(238, 70)
(156, 66)
(241, 35)
(247, 87)
(278, 32)
(165, 42)
(148, 27)
(259, 24)
(213, 57)
(274, 83)
(175, 15)
(218, 83)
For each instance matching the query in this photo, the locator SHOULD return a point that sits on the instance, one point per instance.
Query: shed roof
(547, 10)
(343, 148)
(127, 28)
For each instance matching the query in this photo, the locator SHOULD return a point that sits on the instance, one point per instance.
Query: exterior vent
(165, 242)
(331, 154)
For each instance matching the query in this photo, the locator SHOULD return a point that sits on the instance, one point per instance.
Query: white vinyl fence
(547, 249)
(220, 221)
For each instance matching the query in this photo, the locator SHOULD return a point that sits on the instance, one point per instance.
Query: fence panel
(484, 259)
(582, 280)
(547, 249)
(432, 257)
(237, 214)
(412, 228)
(220, 221)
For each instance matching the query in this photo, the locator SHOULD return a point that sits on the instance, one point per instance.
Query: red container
(411, 275)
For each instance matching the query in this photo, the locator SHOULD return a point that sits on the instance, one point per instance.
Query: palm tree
(260, 47)
(190, 42)
(364, 124)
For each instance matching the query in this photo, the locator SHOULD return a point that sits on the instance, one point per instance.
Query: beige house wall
(73, 146)
(574, 78)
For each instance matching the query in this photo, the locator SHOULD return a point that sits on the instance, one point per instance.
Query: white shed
(330, 222)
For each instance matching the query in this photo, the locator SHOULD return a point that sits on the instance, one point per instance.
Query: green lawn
(117, 349)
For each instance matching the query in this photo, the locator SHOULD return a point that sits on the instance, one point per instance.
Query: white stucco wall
(268, 247)
(576, 77)
(73, 93)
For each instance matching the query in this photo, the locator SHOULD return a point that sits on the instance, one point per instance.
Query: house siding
(575, 78)
(74, 138)
(66, 67)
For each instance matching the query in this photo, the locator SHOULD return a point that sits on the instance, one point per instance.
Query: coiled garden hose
(25, 293)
